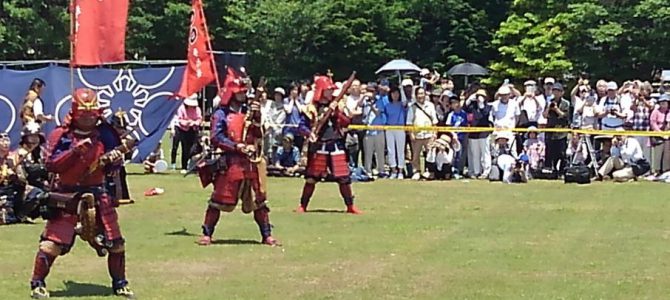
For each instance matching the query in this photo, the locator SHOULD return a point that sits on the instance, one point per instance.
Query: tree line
(293, 39)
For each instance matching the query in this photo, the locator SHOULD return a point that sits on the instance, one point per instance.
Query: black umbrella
(467, 69)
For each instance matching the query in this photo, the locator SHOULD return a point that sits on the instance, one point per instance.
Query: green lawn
(416, 240)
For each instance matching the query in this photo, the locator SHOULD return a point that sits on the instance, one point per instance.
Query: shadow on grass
(77, 289)
(325, 211)
(152, 174)
(182, 232)
(235, 242)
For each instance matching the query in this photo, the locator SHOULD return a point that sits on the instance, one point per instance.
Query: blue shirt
(293, 119)
(287, 159)
(372, 118)
(458, 119)
(396, 113)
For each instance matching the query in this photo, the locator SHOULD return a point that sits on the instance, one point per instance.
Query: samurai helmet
(85, 101)
(322, 83)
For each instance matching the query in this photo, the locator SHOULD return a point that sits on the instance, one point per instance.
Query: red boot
(205, 240)
(301, 209)
(270, 241)
(352, 209)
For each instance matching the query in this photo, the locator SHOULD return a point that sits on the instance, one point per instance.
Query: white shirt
(533, 110)
(629, 152)
(352, 105)
(38, 107)
(416, 117)
(504, 115)
(272, 115)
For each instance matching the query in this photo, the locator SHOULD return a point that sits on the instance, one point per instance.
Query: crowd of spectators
(431, 100)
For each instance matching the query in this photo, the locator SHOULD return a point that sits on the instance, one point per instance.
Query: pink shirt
(657, 122)
(186, 114)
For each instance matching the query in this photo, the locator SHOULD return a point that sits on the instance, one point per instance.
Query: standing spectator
(446, 83)
(396, 114)
(305, 91)
(375, 142)
(407, 92)
(505, 110)
(174, 138)
(612, 113)
(189, 118)
(428, 80)
(643, 105)
(33, 107)
(531, 105)
(625, 153)
(558, 115)
(578, 97)
(661, 145)
(548, 86)
(293, 116)
(354, 110)
(601, 88)
(272, 120)
(458, 118)
(441, 103)
(587, 112)
(421, 113)
(479, 152)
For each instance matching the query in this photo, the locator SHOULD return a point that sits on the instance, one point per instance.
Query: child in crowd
(458, 118)
(534, 148)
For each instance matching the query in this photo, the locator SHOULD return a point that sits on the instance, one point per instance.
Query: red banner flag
(200, 70)
(99, 31)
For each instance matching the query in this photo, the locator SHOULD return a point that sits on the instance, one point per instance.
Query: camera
(552, 105)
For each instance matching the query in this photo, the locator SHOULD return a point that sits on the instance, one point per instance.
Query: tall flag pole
(211, 50)
(200, 69)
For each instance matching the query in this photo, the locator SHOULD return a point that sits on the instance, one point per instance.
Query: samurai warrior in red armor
(236, 131)
(327, 153)
(81, 153)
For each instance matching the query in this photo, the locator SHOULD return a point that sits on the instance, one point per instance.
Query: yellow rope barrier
(489, 129)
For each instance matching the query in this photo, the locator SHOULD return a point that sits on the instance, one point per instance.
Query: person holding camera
(557, 114)
(374, 114)
(612, 115)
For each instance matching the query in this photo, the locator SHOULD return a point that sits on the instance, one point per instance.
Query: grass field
(416, 240)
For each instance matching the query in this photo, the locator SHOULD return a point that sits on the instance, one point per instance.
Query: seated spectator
(150, 161)
(577, 152)
(440, 157)
(507, 167)
(286, 160)
(534, 148)
(625, 154)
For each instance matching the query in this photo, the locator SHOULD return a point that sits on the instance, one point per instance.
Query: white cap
(504, 135)
(424, 72)
(504, 90)
(530, 82)
(280, 91)
(612, 86)
(191, 100)
(407, 82)
(549, 80)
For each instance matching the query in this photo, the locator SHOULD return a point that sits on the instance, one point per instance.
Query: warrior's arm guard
(61, 156)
